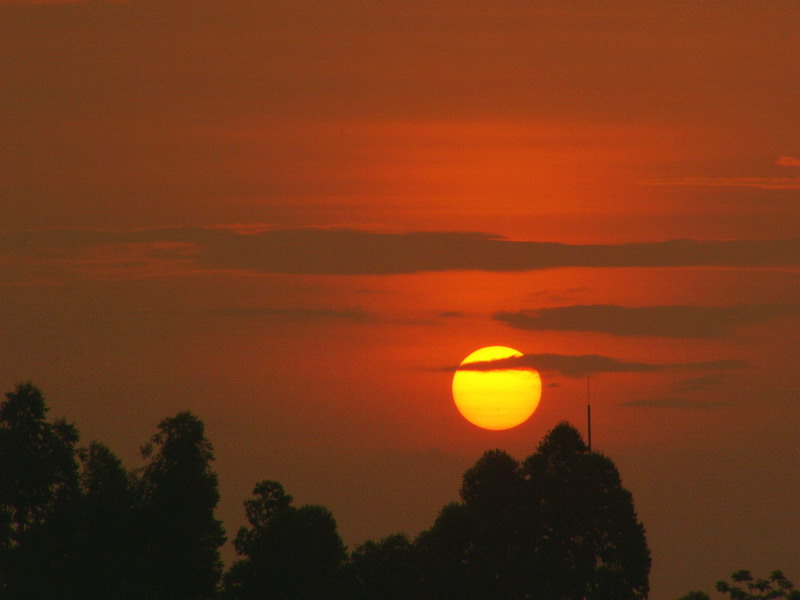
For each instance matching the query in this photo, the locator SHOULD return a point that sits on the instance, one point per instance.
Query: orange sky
(293, 218)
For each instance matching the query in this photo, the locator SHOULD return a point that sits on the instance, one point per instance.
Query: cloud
(681, 403)
(663, 321)
(765, 183)
(355, 315)
(710, 364)
(350, 252)
(591, 364)
(291, 314)
(332, 251)
(557, 296)
(551, 293)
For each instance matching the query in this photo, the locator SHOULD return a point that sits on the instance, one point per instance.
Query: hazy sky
(294, 218)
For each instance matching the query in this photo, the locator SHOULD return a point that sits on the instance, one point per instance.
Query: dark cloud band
(592, 364)
(356, 252)
(664, 321)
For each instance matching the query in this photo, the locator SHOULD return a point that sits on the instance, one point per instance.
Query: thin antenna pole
(589, 413)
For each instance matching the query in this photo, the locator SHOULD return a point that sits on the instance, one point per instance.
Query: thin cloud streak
(663, 321)
(291, 314)
(765, 183)
(592, 364)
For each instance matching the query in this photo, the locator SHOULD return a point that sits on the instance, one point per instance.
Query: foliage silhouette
(110, 544)
(179, 494)
(388, 569)
(39, 461)
(483, 542)
(89, 546)
(591, 544)
(558, 526)
(289, 553)
(39, 480)
(776, 586)
(74, 523)
(95, 531)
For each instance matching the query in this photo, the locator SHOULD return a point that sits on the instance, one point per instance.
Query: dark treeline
(75, 523)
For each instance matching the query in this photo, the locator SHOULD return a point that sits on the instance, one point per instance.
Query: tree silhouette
(89, 546)
(109, 550)
(484, 546)
(38, 461)
(776, 586)
(499, 524)
(591, 544)
(445, 551)
(39, 482)
(289, 553)
(559, 526)
(388, 569)
(179, 494)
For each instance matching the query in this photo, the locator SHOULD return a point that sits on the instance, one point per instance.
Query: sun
(496, 399)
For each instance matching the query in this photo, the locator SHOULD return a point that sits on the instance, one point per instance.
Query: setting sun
(496, 399)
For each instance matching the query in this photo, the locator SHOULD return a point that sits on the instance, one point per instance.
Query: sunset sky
(295, 218)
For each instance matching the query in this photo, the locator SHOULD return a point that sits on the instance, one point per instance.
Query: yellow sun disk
(496, 399)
